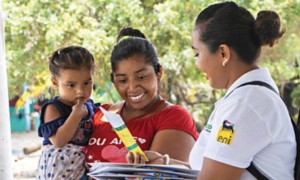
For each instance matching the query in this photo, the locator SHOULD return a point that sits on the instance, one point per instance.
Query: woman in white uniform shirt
(250, 124)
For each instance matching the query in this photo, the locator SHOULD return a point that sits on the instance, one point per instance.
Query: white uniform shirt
(251, 124)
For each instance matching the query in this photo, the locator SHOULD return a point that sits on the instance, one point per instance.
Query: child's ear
(54, 81)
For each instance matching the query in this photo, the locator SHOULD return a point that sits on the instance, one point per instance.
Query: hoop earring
(224, 62)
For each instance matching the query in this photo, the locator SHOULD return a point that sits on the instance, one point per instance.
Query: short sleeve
(91, 106)
(46, 130)
(235, 126)
(176, 117)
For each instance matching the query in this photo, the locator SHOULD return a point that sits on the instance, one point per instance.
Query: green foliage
(35, 28)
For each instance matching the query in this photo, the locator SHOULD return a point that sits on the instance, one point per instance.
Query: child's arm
(65, 133)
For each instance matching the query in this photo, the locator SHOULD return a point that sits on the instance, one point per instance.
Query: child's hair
(132, 42)
(71, 57)
(228, 23)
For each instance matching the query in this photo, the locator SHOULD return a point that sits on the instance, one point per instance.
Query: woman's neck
(238, 71)
(129, 113)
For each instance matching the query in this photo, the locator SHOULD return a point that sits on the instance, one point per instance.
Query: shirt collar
(260, 74)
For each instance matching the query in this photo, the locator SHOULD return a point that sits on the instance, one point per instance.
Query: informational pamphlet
(105, 170)
(122, 131)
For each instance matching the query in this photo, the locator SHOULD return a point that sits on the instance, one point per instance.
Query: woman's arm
(175, 133)
(177, 144)
(214, 170)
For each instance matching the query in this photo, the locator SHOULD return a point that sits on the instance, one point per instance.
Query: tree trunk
(5, 136)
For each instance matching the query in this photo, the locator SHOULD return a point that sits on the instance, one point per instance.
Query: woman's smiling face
(209, 63)
(136, 82)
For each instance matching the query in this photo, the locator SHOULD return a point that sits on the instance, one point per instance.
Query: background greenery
(35, 28)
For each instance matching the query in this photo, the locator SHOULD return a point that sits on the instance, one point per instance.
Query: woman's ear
(111, 77)
(225, 54)
(160, 72)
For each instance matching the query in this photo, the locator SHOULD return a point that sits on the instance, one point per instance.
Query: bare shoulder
(116, 107)
(51, 113)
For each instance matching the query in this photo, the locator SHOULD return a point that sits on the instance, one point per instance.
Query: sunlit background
(35, 28)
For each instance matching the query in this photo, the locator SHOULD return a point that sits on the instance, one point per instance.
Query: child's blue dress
(66, 162)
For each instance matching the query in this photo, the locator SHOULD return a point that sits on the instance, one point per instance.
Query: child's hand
(79, 108)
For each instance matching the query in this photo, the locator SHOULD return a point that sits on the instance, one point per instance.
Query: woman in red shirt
(155, 123)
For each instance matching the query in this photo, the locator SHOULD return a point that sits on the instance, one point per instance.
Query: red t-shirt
(106, 146)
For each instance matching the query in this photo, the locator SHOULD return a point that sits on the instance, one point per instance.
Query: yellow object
(128, 140)
(124, 134)
(22, 99)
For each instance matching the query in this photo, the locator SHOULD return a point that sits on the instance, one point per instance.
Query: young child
(66, 120)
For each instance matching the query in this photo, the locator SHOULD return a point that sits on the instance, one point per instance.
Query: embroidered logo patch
(208, 128)
(226, 133)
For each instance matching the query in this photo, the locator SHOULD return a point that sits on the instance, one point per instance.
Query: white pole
(5, 136)
(27, 109)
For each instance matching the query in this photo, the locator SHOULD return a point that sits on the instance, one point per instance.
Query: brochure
(122, 131)
(104, 170)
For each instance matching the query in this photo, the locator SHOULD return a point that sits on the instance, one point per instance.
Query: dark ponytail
(130, 32)
(132, 42)
(268, 27)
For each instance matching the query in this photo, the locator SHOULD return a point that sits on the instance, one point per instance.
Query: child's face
(73, 84)
(136, 82)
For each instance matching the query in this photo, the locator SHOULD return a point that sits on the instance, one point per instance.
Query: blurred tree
(35, 28)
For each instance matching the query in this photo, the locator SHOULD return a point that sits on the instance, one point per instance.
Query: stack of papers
(104, 170)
